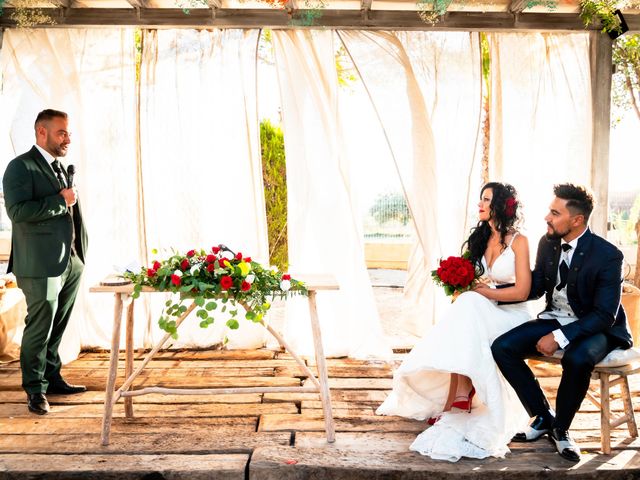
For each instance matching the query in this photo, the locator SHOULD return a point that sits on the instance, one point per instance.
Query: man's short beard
(555, 235)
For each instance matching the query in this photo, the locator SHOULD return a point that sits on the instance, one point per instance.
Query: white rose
(285, 285)
(250, 278)
(178, 273)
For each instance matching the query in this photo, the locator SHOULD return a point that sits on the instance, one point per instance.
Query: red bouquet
(455, 274)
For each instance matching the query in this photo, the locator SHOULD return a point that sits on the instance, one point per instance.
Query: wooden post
(601, 72)
(128, 362)
(113, 370)
(605, 414)
(325, 394)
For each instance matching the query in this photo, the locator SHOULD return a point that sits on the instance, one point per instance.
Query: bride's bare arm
(520, 291)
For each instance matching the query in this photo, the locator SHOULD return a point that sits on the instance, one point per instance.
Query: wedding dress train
(461, 343)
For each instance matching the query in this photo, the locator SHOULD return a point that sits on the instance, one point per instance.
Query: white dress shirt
(48, 157)
(561, 310)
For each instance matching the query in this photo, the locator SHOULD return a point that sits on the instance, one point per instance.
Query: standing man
(48, 247)
(581, 275)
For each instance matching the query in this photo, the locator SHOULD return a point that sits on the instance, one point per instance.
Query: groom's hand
(547, 345)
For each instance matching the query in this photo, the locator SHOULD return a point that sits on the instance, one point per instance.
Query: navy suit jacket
(594, 287)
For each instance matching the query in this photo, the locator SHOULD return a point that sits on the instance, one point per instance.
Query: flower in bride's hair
(510, 207)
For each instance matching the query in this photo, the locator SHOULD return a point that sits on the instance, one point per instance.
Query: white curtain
(90, 74)
(540, 117)
(324, 224)
(201, 169)
(426, 90)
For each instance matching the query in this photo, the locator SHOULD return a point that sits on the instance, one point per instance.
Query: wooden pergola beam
(343, 19)
(365, 8)
(517, 6)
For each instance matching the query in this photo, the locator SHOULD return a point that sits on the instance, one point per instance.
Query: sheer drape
(540, 116)
(324, 225)
(90, 74)
(414, 78)
(201, 169)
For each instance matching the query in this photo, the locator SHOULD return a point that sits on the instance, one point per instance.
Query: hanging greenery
(604, 11)
(26, 14)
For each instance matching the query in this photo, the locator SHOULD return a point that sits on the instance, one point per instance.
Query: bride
(451, 369)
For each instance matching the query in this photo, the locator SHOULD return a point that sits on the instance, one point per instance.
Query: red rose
(156, 265)
(211, 267)
(151, 272)
(286, 276)
(247, 259)
(510, 207)
(222, 262)
(191, 253)
(245, 286)
(238, 256)
(226, 282)
(215, 249)
(175, 279)
(184, 264)
(211, 258)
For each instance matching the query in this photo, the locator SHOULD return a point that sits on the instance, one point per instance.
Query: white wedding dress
(461, 343)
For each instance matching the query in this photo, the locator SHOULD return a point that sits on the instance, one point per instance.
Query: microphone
(71, 171)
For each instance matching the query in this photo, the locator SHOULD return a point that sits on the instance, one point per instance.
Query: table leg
(128, 362)
(323, 378)
(113, 371)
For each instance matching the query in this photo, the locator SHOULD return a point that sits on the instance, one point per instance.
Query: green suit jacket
(41, 222)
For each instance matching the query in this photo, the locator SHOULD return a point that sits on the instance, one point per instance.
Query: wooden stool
(614, 370)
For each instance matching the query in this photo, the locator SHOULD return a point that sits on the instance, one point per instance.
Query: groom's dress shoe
(536, 429)
(61, 387)
(565, 445)
(37, 403)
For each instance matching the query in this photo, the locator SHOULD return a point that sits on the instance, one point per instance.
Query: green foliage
(603, 10)
(274, 175)
(390, 206)
(626, 80)
(430, 11)
(213, 279)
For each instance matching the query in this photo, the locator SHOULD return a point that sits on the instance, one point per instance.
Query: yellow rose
(245, 268)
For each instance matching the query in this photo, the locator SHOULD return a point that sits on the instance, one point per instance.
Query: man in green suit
(48, 247)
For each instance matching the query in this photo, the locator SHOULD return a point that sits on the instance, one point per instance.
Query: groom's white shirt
(561, 310)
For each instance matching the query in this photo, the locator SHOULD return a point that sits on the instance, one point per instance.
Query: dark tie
(564, 268)
(57, 167)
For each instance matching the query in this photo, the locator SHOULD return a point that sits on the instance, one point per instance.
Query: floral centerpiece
(455, 274)
(215, 279)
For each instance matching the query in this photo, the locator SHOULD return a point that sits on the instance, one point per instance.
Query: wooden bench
(614, 370)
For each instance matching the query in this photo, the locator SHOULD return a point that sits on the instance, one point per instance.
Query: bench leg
(628, 406)
(605, 414)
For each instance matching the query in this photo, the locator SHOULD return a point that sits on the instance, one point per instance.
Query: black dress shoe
(37, 403)
(537, 428)
(61, 387)
(565, 445)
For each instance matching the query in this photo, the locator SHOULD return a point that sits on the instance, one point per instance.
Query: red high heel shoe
(465, 404)
(433, 420)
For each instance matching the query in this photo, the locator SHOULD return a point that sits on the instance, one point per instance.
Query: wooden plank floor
(262, 436)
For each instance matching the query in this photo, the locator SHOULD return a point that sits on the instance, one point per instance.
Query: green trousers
(49, 305)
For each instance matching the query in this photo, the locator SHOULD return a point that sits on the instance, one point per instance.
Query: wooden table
(122, 294)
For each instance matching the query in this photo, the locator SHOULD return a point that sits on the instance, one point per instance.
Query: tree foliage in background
(390, 206)
(274, 175)
(626, 80)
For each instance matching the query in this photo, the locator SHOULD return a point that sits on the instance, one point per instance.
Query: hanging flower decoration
(214, 279)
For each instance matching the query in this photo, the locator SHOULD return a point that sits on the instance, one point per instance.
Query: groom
(581, 275)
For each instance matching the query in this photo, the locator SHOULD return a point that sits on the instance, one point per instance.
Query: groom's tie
(564, 269)
(58, 169)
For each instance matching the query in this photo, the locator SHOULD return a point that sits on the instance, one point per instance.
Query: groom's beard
(556, 234)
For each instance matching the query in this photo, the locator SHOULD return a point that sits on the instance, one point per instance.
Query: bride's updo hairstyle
(505, 211)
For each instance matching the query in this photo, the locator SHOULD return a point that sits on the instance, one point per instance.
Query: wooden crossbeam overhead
(343, 19)
(365, 8)
(517, 6)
